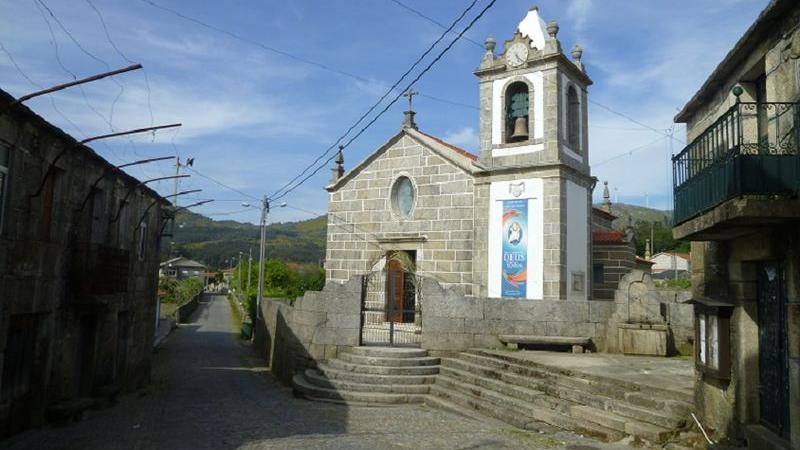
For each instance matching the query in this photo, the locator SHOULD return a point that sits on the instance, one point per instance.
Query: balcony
(751, 152)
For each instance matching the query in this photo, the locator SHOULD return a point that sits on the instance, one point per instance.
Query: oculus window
(403, 196)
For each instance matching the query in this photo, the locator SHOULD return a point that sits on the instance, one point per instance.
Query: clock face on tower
(517, 54)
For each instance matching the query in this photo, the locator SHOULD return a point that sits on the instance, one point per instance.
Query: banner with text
(515, 248)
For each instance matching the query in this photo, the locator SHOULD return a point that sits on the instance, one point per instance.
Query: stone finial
(577, 53)
(606, 198)
(648, 252)
(552, 29)
(490, 44)
(533, 8)
(338, 166)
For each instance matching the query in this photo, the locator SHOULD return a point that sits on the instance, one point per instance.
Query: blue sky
(254, 118)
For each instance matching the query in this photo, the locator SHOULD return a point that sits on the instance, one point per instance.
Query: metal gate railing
(390, 310)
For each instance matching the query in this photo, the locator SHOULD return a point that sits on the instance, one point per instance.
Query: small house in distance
(181, 268)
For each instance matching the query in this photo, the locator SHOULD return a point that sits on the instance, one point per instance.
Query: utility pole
(249, 266)
(264, 212)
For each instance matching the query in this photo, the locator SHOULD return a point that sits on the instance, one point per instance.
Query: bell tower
(533, 99)
(536, 176)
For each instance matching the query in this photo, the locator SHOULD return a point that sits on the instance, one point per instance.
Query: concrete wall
(293, 336)
(64, 263)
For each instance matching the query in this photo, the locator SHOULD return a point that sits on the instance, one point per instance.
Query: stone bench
(577, 344)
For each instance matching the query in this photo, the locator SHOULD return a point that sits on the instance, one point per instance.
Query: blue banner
(515, 248)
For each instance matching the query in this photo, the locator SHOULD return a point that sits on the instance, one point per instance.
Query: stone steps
(319, 379)
(386, 361)
(370, 375)
(523, 394)
(516, 413)
(652, 391)
(312, 392)
(383, 370)
(369, 378)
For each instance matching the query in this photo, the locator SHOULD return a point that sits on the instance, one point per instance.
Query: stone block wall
(617, 259)
(452, 322)
(363, 224)
(78, 271)
(293, 336)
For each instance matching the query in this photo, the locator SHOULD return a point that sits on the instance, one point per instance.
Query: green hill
(215, 242)
(638, 213)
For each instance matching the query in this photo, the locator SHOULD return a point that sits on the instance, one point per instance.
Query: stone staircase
(525, 394)
(371, 375)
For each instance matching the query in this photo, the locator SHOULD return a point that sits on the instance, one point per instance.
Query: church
(513, 222)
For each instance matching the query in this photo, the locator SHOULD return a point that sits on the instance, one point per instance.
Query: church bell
(520, 129)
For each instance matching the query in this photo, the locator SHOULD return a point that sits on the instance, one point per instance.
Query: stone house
(736, 200)
(78, 273)
(670, 261)
(181, 268)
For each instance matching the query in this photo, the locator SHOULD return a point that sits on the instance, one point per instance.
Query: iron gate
(390, 306)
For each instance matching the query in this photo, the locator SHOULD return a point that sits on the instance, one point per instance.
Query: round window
(403, 196)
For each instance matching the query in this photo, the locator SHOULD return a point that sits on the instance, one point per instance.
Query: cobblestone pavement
(209, 392)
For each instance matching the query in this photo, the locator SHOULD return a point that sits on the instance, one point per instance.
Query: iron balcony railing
(752, 149)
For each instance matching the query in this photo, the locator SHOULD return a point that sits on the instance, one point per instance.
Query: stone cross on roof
(408, 117)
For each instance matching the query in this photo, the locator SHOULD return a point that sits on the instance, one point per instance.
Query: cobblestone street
(209, 392)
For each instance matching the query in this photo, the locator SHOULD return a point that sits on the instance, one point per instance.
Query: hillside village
(447, 295)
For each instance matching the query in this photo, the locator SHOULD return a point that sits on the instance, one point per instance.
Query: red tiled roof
(602, 212)
(641, 260)
(458, 150)
(608, 237)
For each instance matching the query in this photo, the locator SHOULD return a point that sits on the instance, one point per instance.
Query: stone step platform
(525, 393)
(548, 392)
(370, 375)
(383, 369)
(516, 413)
(387, 361)
(652, 390)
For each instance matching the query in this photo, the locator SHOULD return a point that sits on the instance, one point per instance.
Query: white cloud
(466, 137)
(579, 11)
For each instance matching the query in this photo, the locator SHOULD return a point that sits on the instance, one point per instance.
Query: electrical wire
(380, 100)
(607, 108)
(397, 97)
(222, 184)
(629, 152)
(119, 52)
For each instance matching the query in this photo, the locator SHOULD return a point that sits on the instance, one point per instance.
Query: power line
(223, 184)
(611, 110)
(628, 153)
(386, 108)
(87, 53)
(433, 21)
(380, 100)
(119, 52)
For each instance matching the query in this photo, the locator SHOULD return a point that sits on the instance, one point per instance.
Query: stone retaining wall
(452, 322)
(294, 336)
(183, 312)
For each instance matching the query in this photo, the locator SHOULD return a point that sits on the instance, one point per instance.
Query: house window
(403, 196)
(573, 118)
(142, 241)
(712, 340)
(517, 112)
(4, 157)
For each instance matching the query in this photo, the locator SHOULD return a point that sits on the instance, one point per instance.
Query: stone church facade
(511, 222)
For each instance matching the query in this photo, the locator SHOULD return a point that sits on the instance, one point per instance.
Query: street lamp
(264, 212)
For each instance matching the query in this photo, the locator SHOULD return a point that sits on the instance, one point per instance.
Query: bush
(179, 291)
